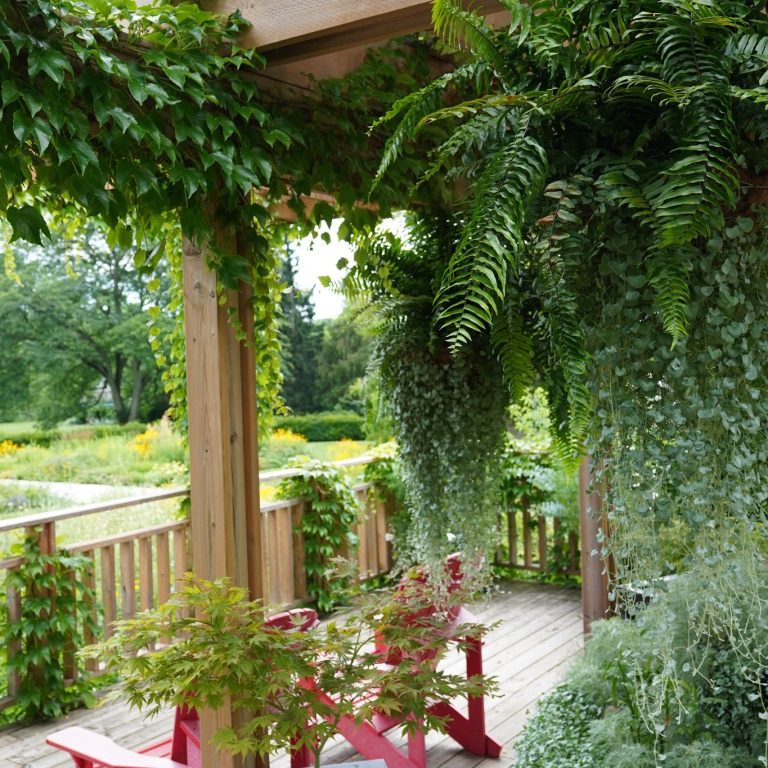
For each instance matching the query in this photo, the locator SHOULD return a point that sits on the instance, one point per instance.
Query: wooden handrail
(54, 516)
(282, 474)
(43, 518)
(141, 533)
(270, 506)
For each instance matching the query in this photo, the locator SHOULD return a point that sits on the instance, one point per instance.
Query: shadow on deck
(540, 630)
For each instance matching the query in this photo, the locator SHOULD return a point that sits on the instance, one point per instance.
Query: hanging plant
(449, 417)
(447, 409)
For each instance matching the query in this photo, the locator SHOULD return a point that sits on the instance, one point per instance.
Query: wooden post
(594, 574)
(223, 445)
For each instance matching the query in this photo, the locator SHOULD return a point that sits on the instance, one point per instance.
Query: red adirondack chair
(468, 730)
(182, 749)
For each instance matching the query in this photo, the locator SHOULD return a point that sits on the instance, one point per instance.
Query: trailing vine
(57, 613)
(448, 410)
(328, 525)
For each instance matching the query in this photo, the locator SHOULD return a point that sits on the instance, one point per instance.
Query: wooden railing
(537, 543)
(137, 570)
(162, 557)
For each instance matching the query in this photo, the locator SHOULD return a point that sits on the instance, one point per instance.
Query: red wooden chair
(468, 730)
(182, 749)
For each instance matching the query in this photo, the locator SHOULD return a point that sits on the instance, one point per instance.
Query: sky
(316, 258)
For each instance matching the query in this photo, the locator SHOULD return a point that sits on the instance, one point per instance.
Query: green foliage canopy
(75, 316)
(149, 115)
(578, 118)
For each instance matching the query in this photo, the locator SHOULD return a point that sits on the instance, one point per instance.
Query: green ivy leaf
(55, 64)
(27, 224)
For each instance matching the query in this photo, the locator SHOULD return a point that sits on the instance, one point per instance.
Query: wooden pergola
(322, 38)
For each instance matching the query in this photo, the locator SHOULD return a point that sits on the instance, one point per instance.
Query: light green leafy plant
(226, 651)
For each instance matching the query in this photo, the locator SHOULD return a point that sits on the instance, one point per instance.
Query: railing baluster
(362, 546)
(89, 580)
(382, 555)
(180, 565)
(127, 580)
(542, 525)
(512, 535)
(69, 667)
(108, 589)
(162, 551)
(146, 587)
(14, 646)
(273, 579)
(284, 555)
(527, 558)
(299, 574)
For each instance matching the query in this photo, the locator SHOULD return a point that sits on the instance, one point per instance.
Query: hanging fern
(474, 283)
(660, 104)
(514, 348)
(460, 27)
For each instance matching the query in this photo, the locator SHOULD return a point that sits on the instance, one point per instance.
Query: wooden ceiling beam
(305, 29)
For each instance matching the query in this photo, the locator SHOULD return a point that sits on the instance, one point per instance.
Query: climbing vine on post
(57, 606)
(328, 526)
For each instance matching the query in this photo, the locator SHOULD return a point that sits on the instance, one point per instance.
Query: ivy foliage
(576, 116)
(127, 112)
(57, 613)
(152, 118)
(683, 438)
(328, 525)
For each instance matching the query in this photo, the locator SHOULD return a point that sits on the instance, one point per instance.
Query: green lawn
(11, 428)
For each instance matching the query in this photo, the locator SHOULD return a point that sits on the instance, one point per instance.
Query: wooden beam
(291, 31)
(594, 573)
(283, 212)
(223, 446)
(250, 441)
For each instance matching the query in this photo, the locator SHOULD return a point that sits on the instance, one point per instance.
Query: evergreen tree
(302, 338)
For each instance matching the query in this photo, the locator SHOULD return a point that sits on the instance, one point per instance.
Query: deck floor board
(539, 632)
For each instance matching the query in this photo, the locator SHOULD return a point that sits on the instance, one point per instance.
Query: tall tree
(343, 361)
(75, 320)
(301, 345)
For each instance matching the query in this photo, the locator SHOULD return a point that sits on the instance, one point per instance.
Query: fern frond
(654, 88)
(620, 183)
(461, 27)
(758, 96)
(604, 43)
(480, 106)
(689, 195)
(411, 110)
(474, 282)
(668, 270)
(459, 154)
(545, 28)
(558, 253)
(514, 348)
(750, 50)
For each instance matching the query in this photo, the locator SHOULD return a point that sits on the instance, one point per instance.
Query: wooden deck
(540, 630)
